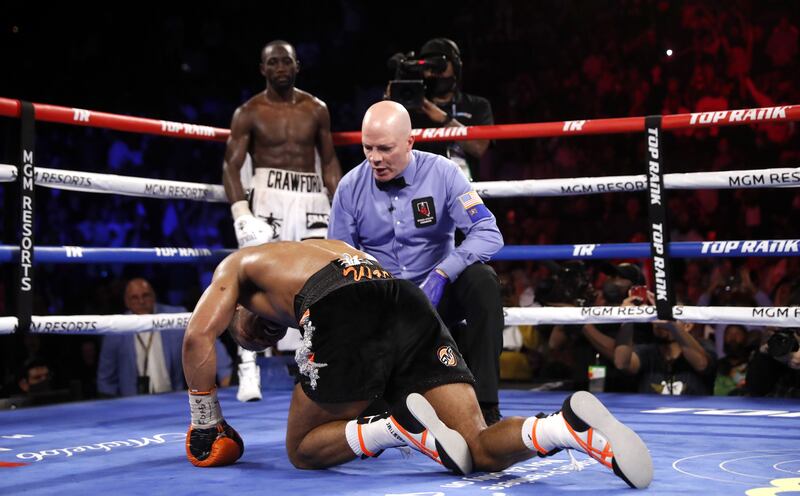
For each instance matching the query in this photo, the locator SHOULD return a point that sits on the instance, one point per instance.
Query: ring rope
(100, 324)
(122, 324)
(771, 316)
(82, 254)
(91, 182)
(599, 251)
(676, 249)
(82, 117)
(739, 179)
(158, 188)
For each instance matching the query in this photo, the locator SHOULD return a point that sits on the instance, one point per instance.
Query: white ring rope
(757, 178)
(100, 324)
(122, 185)
(769, 316)
(159, 188)
(121, 324)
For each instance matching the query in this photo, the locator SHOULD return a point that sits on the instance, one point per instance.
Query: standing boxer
(282, 128)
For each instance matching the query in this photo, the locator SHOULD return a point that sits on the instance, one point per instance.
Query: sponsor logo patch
(316, 221)
(447, 356)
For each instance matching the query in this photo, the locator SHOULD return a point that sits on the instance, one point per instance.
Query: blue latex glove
(433, 286)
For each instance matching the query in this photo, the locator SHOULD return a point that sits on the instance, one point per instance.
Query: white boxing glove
(250, 230)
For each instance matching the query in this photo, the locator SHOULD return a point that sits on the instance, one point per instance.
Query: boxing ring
(700, 445)
(711, 445)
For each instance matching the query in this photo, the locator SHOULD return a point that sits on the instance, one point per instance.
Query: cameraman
(772, 373)
(445, 105)
(775, 369)
(593, 344)
(568, 351)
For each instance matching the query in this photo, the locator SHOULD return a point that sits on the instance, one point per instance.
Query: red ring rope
(81, 117)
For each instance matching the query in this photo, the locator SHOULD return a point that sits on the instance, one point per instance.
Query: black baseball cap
(630, 272)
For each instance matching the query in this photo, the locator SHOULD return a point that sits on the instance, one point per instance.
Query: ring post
(25, 177)
(657, 213)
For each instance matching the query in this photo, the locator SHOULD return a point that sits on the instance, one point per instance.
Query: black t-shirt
(657, 375)
(470, 110)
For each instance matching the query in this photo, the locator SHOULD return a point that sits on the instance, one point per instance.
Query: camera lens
(782, 343)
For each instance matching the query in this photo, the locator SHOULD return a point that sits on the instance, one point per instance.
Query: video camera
(568, 284)
(408, 86)
(783, 342)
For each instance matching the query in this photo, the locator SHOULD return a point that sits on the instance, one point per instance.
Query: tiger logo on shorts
(447, 356)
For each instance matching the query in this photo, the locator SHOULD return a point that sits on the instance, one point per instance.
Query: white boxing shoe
(249, 382)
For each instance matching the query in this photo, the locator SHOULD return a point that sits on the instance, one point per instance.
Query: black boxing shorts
(367, 335)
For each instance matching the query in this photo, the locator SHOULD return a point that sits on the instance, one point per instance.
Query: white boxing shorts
(293, 203)
(296, 207)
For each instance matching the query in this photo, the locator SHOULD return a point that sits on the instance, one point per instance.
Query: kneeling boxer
(367, 335)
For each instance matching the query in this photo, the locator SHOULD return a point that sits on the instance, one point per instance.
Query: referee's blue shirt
(410, 230)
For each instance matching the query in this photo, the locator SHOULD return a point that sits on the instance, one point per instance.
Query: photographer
(731, 287)
(442, 104)
(568, 352)
(623, 280)
(732, 368)
(775, 369)
(675, 364)
(591, 344)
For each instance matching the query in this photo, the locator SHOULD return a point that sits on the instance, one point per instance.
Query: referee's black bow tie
(398, 182)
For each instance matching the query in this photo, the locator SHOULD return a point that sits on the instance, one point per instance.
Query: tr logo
(583, 250)
(80, 115)
(74, 251)
(573, 125)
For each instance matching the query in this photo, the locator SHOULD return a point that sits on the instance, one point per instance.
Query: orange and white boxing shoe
(419, 428)
(586, 425)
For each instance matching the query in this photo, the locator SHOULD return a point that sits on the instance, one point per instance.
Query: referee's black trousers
(475, 298)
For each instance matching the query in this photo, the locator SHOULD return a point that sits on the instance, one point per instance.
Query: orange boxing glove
(213, 447)
(210, 442)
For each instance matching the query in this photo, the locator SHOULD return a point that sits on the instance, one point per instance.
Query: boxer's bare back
(264, 279)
